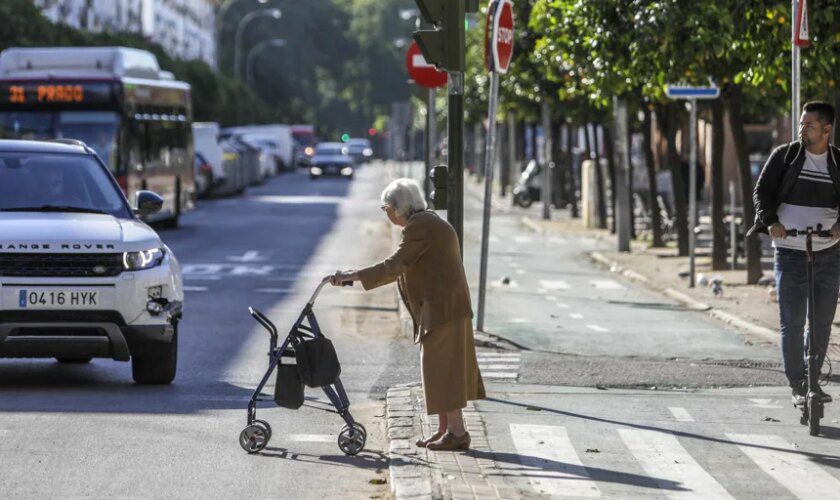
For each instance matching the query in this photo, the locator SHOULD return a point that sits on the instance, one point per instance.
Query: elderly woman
(430, 276)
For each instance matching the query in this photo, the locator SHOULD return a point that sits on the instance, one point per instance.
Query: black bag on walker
(288, 389)
(317, 362)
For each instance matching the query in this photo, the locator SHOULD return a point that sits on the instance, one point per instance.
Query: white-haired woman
(430, 276)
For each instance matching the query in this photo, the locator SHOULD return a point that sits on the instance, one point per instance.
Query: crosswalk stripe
(494, 360)
(554, 285)
(498, 375)
(493, 354)
(551, 461)
(793, 470)
(681, 414)
(675, 471)
(497, 367)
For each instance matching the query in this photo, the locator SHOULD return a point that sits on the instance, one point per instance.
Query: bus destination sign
(37, 94)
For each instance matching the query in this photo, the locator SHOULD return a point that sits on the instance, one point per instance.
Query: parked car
(331, 158)
(276, 139)
(203, 175)
(360, 150)
(206, 145)
(81, 275)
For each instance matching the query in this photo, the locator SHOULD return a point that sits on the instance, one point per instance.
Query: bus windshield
(97, 129)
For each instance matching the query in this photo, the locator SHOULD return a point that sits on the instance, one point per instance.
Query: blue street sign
(688, 92)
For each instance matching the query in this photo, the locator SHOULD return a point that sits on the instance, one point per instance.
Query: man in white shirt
(799, 187)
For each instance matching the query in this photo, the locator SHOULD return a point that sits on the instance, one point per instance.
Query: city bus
(117, 101)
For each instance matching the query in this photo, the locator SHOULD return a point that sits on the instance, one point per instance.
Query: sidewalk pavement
(752, 309)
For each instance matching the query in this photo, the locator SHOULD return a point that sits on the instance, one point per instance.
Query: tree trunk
(753, 244)
(559, 181)
(534, 150)
(718, 227)
(653, 203)
(570, 164)
(677, 181)
(630, 173)
(608, 150)
(592, 147)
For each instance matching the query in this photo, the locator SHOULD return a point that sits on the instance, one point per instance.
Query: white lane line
(497, 367)
(606, 284)
(681, 414)
(576, 316)
(554, 285)
(274, 290)
(562, 306)
(494, 354)
(522, 321)
(597, 328)
(551, 463)
(502, 361)
(793, 470)
(498, 375)
(310, 438)
(195, 288)
(666, 461)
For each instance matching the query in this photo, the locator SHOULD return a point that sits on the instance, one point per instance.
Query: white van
(207, 147)
(276, 137)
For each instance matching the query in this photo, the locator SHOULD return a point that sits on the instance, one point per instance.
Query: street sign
(498, 36)
(421, 71)
(677, 91)
(802, 37)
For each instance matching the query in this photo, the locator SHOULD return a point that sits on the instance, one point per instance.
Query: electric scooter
(812, 408)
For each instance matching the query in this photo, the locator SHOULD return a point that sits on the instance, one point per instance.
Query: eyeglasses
(385, 208)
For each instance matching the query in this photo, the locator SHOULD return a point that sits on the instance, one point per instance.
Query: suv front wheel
(157, 367)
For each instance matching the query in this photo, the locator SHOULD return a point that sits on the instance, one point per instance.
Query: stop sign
(499, 35)
(421, 71)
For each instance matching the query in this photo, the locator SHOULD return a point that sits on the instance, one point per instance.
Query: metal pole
(692, 195)
(733, 243)
(621, 159)
(546, 194)
(795, 73)
(237, 44)
(455, 159)
(431, 139)
(489, 159)
(510, 170)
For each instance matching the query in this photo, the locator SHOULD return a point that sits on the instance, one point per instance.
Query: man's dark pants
(792, 292)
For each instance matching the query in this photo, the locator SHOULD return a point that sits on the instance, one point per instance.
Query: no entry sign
(498, 36)
(421, 71)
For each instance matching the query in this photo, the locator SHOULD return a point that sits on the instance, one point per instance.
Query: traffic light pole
(431, 140)
(490, 160)
(455, 156)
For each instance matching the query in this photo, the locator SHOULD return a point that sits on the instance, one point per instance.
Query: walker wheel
(266, 428)
(253, 438)
(352, 440)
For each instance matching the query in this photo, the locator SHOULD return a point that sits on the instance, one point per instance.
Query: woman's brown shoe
(450, 442)
(422, 443)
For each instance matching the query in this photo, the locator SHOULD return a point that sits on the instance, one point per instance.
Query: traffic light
(444, 45)
(371, 131)
(440, 183)
(345, 137)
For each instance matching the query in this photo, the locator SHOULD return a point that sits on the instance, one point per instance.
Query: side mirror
(148, 203)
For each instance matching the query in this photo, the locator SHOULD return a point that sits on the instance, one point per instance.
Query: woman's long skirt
(449, 368)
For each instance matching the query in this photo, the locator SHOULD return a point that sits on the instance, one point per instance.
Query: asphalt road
(73, 431)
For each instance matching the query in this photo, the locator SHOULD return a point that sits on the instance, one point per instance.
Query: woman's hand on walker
(341, 278)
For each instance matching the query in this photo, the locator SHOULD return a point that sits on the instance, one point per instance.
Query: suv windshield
(330, 150)
(40, 182)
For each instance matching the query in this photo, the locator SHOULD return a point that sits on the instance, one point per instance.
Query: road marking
(666, 461)
(597, 328)
(249, 256)
(497, 354)
(551, 298)
(764, 403)
(498, 375)
(681, 414)
(551, 464)
(195, 288)
(562, 306)
(576, 316)
(606, 284)
(523, 239)
(497, 367)
(791, 469)
(522, 321)
(310, 438)
(202, 278)
(520, 271)
(498, 360)
(274, 290)
(554, 285)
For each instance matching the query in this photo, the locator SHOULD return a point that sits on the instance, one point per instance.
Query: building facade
(185, 28)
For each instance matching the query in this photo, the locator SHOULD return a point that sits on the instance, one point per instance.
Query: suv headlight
(147, 259)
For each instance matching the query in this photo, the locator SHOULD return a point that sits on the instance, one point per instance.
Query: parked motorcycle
(527, 188)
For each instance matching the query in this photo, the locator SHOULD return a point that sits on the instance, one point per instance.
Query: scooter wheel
(352, 441)
(253, 438)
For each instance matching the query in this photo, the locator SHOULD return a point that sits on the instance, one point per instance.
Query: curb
(409, 466)
(759, 331)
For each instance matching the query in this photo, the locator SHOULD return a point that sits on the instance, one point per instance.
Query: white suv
(80, 275)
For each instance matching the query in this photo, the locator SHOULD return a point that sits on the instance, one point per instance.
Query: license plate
(59, 299)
